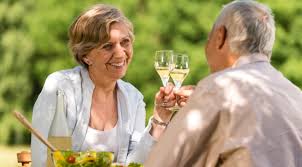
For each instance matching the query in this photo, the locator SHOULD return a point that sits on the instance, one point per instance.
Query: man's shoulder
(227, 79)
(219, 77)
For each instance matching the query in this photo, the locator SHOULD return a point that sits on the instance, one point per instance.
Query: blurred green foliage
(33, 44)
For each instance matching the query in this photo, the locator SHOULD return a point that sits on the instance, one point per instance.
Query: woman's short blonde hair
(91, 29)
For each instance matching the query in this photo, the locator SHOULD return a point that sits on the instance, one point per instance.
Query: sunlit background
(33, 44)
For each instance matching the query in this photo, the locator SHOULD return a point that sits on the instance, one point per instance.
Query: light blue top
(134, 140)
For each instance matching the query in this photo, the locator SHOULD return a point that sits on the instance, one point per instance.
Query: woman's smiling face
(111, 59)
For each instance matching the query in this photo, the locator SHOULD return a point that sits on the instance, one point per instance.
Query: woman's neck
(103, 85)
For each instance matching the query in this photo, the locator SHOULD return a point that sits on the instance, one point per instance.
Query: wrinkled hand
(183, 93)
(164, 99)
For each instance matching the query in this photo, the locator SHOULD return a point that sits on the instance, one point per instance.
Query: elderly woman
(103, 112)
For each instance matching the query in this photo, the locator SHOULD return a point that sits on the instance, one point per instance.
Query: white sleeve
(140, 141)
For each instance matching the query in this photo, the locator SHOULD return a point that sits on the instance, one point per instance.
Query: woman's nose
(119, 51)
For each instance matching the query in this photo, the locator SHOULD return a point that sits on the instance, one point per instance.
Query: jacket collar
(87, 82)
(250, 58)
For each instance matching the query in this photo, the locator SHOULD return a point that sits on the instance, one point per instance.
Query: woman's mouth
(118, 64)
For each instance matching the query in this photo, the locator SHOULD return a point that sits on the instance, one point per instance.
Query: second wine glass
(180, 69)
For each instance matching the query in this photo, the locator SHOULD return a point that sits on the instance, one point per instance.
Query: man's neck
(229, 59)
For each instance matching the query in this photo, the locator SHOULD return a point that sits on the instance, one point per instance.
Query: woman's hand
(164, 99)
(183, 94)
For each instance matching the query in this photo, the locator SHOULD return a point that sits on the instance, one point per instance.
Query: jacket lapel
(84, 112)
(123, 126)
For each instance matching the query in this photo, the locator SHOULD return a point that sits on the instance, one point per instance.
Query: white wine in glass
(180, 69)
(162, 64)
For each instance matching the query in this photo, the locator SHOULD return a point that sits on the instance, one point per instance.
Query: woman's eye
(125, 42)
(107, 46)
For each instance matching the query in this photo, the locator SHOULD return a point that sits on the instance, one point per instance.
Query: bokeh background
(33, 44)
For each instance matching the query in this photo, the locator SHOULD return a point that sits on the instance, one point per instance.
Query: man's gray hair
(250, 27)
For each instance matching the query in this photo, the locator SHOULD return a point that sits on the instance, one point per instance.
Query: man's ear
(221, 34)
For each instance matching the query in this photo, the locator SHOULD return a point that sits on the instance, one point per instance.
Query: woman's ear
(87, 61)
(221, 34)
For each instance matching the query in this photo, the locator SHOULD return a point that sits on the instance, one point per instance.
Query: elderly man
(246, 113)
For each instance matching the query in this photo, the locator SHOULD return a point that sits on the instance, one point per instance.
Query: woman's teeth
(117, 64)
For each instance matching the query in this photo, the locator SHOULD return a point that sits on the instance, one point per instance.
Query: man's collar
(250, 58)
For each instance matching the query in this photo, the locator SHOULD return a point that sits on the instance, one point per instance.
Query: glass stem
(177, 85)
(165, 81)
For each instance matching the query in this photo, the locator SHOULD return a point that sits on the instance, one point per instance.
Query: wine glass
(178, 73)
(179, 69)
(162, 64)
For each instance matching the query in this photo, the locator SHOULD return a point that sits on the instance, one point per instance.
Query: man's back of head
(243, 27)
(250, 26)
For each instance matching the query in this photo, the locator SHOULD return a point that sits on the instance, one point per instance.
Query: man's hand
(183, 93)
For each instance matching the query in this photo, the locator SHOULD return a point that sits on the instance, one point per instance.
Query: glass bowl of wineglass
(179, 69)
(163, 64)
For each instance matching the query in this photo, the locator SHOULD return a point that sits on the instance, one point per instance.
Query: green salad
(86, 159)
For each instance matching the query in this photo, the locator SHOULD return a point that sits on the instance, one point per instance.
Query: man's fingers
(185, 90)
(181, 104)
(185, 93)
(188, 87)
